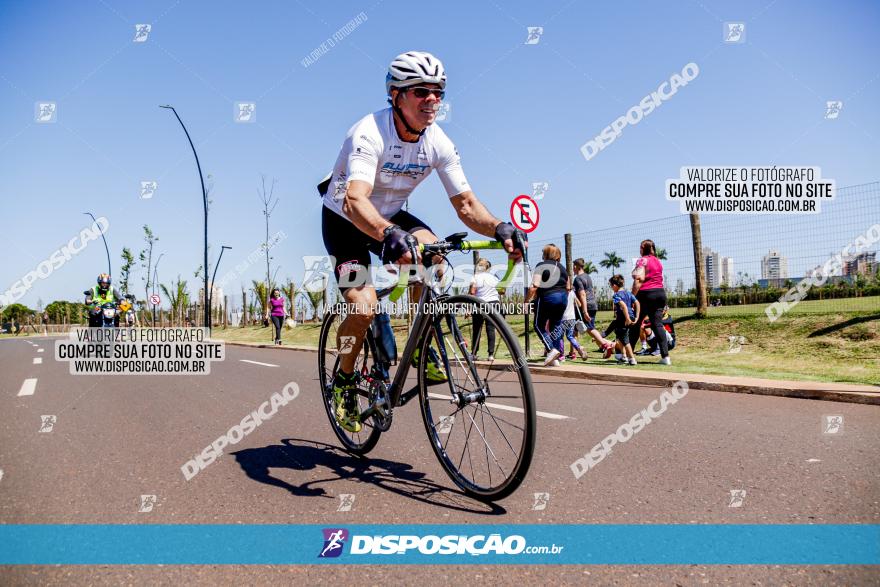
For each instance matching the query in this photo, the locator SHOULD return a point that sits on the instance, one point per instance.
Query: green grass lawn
(802, 345)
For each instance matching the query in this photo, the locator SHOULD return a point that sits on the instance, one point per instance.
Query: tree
(590, 268)
(178, 296)
(660, 253)
(699, 265)
(261, 291)
(611, 261)
(60, 311)
(269, 201)
(289, 290)
(146, 259)
(125, 270)
(315, 298)
(15, 313)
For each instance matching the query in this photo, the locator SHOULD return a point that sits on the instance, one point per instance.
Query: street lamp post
(205, 203)
(214, 275)
(106, 248)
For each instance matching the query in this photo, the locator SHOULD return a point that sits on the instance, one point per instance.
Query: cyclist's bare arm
(475, 216)
(361, 211)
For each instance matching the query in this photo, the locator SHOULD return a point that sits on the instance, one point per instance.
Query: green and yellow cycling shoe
(347, 411)
(435, 373)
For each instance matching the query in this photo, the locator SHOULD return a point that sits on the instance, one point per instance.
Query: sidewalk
(838, 392)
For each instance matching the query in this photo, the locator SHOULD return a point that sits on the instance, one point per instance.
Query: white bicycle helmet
(415, 67)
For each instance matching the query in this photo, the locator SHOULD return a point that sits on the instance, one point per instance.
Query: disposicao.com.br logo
(393, 544)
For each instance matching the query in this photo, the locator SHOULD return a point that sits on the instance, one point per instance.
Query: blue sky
(519, 114)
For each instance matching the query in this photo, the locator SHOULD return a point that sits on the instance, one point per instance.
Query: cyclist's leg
(349, 250)
(361, 305)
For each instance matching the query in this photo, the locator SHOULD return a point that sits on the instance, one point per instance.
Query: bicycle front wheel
(481, 422)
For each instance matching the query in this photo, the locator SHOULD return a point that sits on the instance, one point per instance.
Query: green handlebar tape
(480, 245)
(505, 281)
(399, 288)
(465, 246)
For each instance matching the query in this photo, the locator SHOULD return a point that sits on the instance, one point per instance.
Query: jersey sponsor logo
(348, 267)
(412, 170)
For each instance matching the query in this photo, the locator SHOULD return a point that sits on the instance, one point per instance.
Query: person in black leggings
(648, 289)
(550, 284)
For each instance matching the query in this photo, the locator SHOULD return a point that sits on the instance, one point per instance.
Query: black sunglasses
(420, 92)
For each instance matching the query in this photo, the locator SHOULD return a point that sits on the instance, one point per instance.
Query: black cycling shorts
(351, 248)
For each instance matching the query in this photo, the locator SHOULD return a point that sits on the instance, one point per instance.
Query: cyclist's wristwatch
(388, 230)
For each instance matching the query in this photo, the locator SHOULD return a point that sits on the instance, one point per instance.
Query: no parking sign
(524, 213)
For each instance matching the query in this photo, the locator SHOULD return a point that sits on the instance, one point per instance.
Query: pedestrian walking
(649, 291)
(586, 302)
(484, 285)
(276, 313)
(550, 285)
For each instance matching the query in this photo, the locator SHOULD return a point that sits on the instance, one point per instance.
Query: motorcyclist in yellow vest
(101, 293)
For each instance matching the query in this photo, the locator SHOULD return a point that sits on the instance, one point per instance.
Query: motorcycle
(103, 315)
(126, 308)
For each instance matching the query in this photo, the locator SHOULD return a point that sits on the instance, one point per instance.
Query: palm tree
(178, 295)
(660, 254)
(261, 291)
(611, 261)
(290, 292)
(315, 298)
(590, 268)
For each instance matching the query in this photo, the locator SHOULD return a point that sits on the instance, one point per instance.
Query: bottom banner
(796, 544)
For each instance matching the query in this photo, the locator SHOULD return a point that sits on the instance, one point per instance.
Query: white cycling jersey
(374, 153)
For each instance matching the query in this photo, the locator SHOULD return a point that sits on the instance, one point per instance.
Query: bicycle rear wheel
(328, 363)
(481, 423)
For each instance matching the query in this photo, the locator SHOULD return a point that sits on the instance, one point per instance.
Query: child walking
(625, 313)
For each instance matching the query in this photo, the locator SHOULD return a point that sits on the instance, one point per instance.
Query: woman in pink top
(276, 313)
(648, 289)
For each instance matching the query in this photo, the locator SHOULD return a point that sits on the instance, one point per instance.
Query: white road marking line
(257, 363)
(38, 360)
(509, 408)
(40, 350)
(28, 387)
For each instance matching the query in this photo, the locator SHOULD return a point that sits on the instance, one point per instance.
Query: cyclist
(384, 157)
(100, 294)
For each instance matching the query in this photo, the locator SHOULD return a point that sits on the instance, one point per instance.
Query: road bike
(480, 421)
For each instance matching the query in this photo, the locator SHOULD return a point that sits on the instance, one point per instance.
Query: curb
(817, 390)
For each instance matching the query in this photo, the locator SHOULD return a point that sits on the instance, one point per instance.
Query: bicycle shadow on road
(303, 455)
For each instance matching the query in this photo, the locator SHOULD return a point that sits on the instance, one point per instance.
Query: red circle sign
(524, 213)
(155, 299)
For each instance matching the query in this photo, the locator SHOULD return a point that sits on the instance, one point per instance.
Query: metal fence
(749, 260)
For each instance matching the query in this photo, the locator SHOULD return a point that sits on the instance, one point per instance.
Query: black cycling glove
(395, 244)
(506, 230)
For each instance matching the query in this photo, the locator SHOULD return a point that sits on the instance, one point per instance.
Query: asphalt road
(115, 438)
